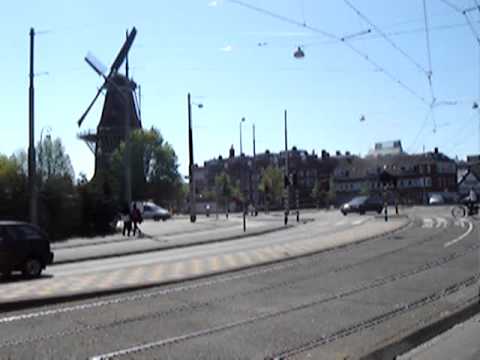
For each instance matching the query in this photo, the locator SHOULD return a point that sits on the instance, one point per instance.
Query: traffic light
(295, 179)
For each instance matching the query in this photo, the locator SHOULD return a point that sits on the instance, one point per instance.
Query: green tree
(13, 189)
(332, 193)
(319, 195)
(53, 161)
(364, 189)
(154, 168)
(226, 189)
(271, 185)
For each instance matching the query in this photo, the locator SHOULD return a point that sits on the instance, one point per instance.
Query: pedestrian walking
(127, 220)
(136, 219)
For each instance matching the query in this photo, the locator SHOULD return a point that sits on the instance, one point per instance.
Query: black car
(362, 204)
(23, 247)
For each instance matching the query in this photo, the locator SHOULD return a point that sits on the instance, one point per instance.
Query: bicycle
(460, 211)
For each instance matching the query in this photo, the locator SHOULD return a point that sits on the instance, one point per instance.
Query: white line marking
(358, 222)
(441, 222)
(427, 223)
(340, 223)
(461, 237)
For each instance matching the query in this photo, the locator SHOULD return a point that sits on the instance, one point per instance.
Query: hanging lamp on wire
(299, 53)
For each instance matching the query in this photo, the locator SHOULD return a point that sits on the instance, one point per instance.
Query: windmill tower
(120, 115)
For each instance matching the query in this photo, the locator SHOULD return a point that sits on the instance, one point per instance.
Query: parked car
(155, 212)
(362, 204)
(436, 200)
(23, 247)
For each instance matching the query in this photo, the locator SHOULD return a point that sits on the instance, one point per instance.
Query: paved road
(194, 261)
(332, 305)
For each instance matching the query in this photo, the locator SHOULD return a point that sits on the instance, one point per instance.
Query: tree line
(69, 206)
(271, 190)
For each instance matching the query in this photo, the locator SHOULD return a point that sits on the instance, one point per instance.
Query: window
(28, 232)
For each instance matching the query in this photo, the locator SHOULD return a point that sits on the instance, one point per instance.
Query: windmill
(120, 111)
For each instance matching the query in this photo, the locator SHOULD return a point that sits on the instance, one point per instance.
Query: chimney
(435, 150)
(232, 152)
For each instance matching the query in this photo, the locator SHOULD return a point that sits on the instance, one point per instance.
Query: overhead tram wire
(452, 6)
(387, 38)
(472, 28)
(333, 37)
(424, 123)
(430, 69)
(467, 18)
(429, 49)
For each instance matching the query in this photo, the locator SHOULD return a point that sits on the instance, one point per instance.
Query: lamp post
(31, 138)
(254, 176)
(191, 180)
(287, 181)
(242, 176)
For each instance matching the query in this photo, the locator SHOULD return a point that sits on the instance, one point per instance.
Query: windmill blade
(80, 121)
(122, 54)
(96, 65)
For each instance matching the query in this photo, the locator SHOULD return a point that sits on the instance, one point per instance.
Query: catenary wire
(387, 38)
(333, 37)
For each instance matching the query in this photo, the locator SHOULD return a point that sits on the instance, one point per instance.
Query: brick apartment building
(247, 170)
(418, 175)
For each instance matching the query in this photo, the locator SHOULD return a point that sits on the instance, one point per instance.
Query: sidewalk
(174, 226)
(163, 236)
(462, 342)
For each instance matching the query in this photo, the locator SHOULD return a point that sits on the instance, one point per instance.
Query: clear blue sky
(210, 48)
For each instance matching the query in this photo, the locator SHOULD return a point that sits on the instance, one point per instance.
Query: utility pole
(128, 114)
(32, 182)
(191, 179)
(254, 176)
(287, 180)
(242, 178)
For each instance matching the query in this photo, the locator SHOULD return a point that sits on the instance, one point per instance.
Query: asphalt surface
(146, 269)
(337, 304)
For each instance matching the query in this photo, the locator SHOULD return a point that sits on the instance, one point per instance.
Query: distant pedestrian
(136, 219)
(127, 220)
(472, 201)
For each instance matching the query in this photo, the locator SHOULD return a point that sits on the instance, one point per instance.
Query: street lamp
(193, 216)
(242, 181)
(299, 53)
(254, 178)
(241, 147)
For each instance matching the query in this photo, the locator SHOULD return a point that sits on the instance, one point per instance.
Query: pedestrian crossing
(439, 222)
(351, 222)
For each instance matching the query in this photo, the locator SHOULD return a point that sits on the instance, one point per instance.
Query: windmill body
(120, 114)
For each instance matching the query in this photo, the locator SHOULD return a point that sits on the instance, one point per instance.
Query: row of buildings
(345, 175)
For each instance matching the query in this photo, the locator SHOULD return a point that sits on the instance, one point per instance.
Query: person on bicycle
(472, 201)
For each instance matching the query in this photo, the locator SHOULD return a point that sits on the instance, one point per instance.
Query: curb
(22, 304)
(172, 247)
(425, 334)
